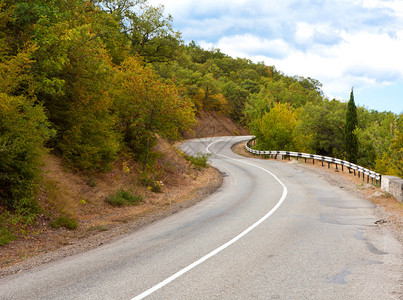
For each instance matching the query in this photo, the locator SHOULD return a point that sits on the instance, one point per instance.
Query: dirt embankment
(210, 124)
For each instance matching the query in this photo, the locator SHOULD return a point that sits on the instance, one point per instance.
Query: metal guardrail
(329, 160)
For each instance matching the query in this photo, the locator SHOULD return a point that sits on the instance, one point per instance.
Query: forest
(90, 80)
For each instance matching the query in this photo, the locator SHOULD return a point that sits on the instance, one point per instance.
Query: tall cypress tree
(350, 139)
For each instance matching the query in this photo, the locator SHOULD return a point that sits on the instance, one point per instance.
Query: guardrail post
(328, 165)
(336, 167)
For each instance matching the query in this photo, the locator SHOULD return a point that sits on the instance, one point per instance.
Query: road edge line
(227, 244)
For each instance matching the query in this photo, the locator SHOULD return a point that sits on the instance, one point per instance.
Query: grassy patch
(99, 228)
(63, 221)
(122, 198)
(199, 161)
(14, 224)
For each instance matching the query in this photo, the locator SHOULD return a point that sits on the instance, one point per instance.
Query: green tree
(277, 129)
(236, 97)
(324, 122)
(390, 162)
(23, 131)
(72, 72)
(148, 30)
(351, 141)
(375, 133)
(255, 108)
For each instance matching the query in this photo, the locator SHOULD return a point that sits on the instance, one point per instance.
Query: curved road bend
(272, 231)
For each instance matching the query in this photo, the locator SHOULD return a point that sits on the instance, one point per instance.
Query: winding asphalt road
(272, 231)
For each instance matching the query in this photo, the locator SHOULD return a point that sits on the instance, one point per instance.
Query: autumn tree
(146, 106)
(350, 138)
(71, 72)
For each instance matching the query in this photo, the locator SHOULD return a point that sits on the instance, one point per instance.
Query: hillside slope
(82, 198)
(212, 123)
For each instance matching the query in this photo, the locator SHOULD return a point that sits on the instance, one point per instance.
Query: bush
(199, 161)
(150, 182)
(13, 224)
(6, 236)
(23, 131)
(66, 222)
(91, 144)
(122, 198)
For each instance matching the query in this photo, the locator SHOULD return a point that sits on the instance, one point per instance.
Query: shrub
(66, 222)
(14, 223)
(150, 182)
(91, 144)
(6, 236)
(23, 130)
(122, 198)
(199, 161)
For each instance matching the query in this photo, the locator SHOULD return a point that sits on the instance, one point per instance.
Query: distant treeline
(90, 79)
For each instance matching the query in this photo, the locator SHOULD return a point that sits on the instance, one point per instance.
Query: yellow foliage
(15, 71)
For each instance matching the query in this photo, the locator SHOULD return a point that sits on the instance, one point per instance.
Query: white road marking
(219, 249)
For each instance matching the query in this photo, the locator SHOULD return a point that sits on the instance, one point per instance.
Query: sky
(341, 43)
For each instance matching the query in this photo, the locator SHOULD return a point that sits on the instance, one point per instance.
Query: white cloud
(304, 32)
(362, 59)
(250, 45)
(342, 43)
(395, 5)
